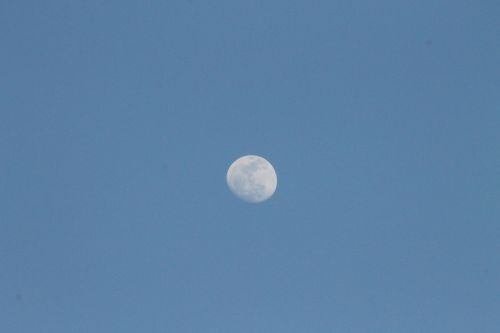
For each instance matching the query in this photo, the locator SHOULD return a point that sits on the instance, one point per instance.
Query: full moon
(252, 178)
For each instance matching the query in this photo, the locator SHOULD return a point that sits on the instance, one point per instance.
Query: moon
(252, 178)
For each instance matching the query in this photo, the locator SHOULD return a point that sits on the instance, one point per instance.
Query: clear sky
(119, 119)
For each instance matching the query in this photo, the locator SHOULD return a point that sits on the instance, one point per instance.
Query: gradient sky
(119, 119)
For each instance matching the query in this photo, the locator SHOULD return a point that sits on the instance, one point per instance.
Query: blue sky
(119, 119)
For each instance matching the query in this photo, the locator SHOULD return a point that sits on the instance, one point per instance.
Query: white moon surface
(252, 178)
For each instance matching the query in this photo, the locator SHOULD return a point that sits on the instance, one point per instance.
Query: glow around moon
(252, 178)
